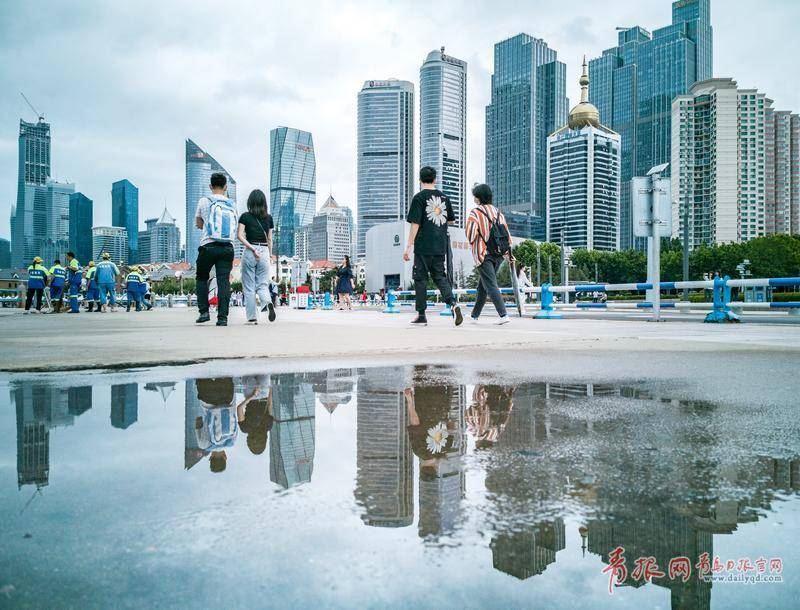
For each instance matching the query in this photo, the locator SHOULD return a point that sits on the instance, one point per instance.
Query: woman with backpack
(490, 240)
(255, 233)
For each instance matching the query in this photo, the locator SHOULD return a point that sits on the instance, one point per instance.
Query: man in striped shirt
(479, 227)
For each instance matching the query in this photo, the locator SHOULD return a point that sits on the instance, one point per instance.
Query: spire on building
(584, 113)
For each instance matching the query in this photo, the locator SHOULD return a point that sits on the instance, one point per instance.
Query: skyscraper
(783, 166)
(443, 125)
(125, 213)
(160, 242)
(529, 102)
(199, 167)
(292, 184)
(583, 163)
(81, 219)
(33, 172)
(51, 240)
(385, 154)
(113, 240)
(634, 83)
(719, 165)
(330, 236)
(5, 253)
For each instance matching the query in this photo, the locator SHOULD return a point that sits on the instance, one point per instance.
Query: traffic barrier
(391, 303)
(327, 301)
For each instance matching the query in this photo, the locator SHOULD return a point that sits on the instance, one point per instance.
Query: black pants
(487, 286)
(29, 298)
(433, 266)
(220, 256)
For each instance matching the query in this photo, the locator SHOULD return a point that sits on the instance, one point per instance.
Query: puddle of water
(392, 486)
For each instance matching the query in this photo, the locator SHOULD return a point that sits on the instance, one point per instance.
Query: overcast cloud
(124, 83)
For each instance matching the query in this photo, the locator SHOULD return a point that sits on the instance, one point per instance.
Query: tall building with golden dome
(583, 179)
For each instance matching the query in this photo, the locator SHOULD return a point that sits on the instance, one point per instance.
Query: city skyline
(152, 141)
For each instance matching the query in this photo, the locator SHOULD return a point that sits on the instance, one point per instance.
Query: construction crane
(36, 112)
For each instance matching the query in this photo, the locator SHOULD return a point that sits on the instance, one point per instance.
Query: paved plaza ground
(170, 337)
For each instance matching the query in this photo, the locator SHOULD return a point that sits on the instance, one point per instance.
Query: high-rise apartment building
(443, 126)
(634, 83)
(330, 235)
(720, 172)
(33, 174)
(160, 242)
(199, 167)
(783, 171)
(113, 240)
(529, 102)
(292, 184)
(5, 253)
(81, 219)
(125, 213)
(385, 154)
(583, 180)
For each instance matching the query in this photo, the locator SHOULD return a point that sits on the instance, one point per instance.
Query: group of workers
(101, 285)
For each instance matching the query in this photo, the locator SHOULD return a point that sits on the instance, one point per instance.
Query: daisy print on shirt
(436, 211)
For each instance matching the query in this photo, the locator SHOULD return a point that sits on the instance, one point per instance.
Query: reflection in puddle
(498, 466)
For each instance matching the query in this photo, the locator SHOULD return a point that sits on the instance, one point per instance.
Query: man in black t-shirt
(429, 214)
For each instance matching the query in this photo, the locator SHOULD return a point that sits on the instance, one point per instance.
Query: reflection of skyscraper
(164, 388)
(79, 399)
(124, 405)
(334, 387)
(526, 554)
(384, 483)
(291, 442)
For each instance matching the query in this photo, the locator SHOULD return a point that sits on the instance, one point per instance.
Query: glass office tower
(443, 125)
(634, 83)
(385, 154)
(81, 218)
(199, 167)
(292, 184)
(528, 103)
(33, 173)
(125, 213)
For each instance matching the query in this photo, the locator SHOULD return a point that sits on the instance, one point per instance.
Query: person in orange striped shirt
(486, 252)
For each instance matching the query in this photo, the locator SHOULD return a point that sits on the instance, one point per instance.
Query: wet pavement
(394, 486)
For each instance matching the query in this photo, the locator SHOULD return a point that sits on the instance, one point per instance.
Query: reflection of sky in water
(363, 494)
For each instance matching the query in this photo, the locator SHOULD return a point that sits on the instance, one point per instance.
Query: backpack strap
(492, 222)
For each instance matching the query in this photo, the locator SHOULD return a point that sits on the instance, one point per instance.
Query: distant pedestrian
(37, 279)
(274, 293)
(255, 233)
(429, 214)
(490, 240)
(216, 216)
(345, 284)
(107, 273)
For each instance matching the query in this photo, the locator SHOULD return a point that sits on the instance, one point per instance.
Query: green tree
(327, 280)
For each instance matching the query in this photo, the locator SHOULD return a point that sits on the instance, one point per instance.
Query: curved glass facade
(292, 184)
(385, 154)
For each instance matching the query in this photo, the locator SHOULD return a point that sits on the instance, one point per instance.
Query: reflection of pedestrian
(216, 429)
(254, 413)
(488, 414)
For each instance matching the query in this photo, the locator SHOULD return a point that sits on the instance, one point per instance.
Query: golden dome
(584, 113)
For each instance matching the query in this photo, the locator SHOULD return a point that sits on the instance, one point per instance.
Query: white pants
(255, 279)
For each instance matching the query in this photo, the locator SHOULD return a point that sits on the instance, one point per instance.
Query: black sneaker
(419, 321)
(458, 317)
(204, 317)
(269, 307)
(222, 321)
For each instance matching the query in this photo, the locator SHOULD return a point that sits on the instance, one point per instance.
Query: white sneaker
(475, 321)
(503, 320)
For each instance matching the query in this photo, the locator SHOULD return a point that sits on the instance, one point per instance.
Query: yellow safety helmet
(37, 259)
(91, 263)
(106, 255)
(134, 269)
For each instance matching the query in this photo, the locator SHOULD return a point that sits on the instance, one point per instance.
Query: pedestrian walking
(106, 275)
(345, 284)
(490, 241)
(37, 279)
(255, 233)
(58, 278)
(429, 214)
(216, 216)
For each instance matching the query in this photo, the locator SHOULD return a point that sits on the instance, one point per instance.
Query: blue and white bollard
(327, 301)
(548, 311)
(391, 303)
(446, 311)
(722, 296)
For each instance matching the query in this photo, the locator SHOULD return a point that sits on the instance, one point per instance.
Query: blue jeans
(108, 289)
(255, 280)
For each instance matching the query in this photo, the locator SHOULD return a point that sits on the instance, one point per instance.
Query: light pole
(538, 264)
(686, 249)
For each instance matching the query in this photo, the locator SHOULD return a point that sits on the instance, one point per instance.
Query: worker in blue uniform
(144, 293)
(74, 279)
(107, 273)
(133, 289)
(37, 279)
(58, 277)
(92, 291)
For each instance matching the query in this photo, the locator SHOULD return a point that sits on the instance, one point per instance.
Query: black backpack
(498, 242)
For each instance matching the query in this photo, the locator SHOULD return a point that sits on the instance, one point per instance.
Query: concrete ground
(170, 337)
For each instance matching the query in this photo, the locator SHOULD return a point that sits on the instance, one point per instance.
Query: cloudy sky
(124, 83)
